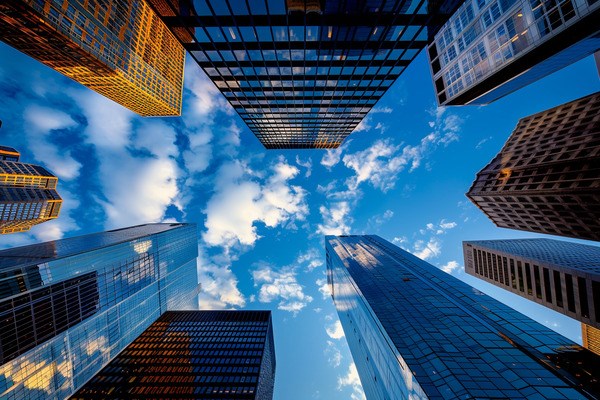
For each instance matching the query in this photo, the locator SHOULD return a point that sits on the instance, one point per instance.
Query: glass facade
(563, 276)
(28, 193)
(303, 74)
(490, 48)
(67, 307)
(546, 178)
(417, 332)
(194, 355)
(119, 48)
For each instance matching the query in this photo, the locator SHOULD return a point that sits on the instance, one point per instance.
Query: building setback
(417, 332)
(193, 355)
(303, 74)
(28, 193)
(118, 48)
(490, 48)
(563, 276)
(67, 307)
(546, 178)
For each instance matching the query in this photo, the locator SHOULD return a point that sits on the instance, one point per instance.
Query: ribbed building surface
(28, 193)
(193, 355)
(417, 332)
(563, 276)
(546, 178)
(303, 74)
(67, 307)
(120, 49)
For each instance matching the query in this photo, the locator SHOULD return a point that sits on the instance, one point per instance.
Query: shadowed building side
(546, 178)
(303, 74)
(119, 49)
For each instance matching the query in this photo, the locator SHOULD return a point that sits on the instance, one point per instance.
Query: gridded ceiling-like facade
(303, 74)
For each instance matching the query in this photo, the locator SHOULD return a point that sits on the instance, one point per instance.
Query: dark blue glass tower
(417, 332)
(69, 306)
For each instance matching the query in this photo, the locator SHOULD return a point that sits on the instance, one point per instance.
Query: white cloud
(399, 240)
(306, 164)
(440, 228)
(447, 225)
(313, 258)
(450, 267)
(333, 353)
(198, 156)
(241, 201)
(352, 380)
(218, 285)
(336, 219)
(385, 110)
(332, 156)
(281, 286)
(335, 331)
(136, 189)
(40, 122)
(56, 228)
(431, 249)
(377, 220)
(381, 163)
(324, 288)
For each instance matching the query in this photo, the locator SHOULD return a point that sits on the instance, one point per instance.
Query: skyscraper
(303, 74)
(195, 355)
(489, 49)
(119, 48)
(67, 307)
(417, 332)
(560, 275)
(546, 178)
(28, 193)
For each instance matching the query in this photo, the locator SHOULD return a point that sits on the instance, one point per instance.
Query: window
(558, 288)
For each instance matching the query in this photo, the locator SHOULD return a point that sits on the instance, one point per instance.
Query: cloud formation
(352, 380)
(281, 286)
(335, 331)
(242, 199)
(336, 219)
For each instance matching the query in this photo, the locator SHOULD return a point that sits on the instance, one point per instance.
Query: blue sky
(262, 214)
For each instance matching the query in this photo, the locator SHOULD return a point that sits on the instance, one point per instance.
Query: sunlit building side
(490, 48)
(546, 178)
(416, 331)
(67, 307)
(120, 49)
(28, 193)
(194, 355)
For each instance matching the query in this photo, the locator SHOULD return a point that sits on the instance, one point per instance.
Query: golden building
(119, 48)
(591, 338)
(27, 195)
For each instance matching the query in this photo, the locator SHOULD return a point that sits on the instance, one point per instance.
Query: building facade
(194, 355)
(417, 332)
(67, 307)
(546, 178)
(303, 74)
(563, 276)
(28, 193)
(119, 49)
(490, 48)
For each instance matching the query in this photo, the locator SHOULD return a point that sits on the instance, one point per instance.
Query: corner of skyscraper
(416, 331)
(118, 48)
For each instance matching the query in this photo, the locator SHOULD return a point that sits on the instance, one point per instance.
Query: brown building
(28, 194)
(119, 48)
(546, 178)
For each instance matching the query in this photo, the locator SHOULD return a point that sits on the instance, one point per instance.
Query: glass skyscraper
(303, 74)
(118, 48)
(193, 355)
(490, 48)
(546, 178)
(417, 332)
(67, 307)
(563, 276)
(28, 193)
